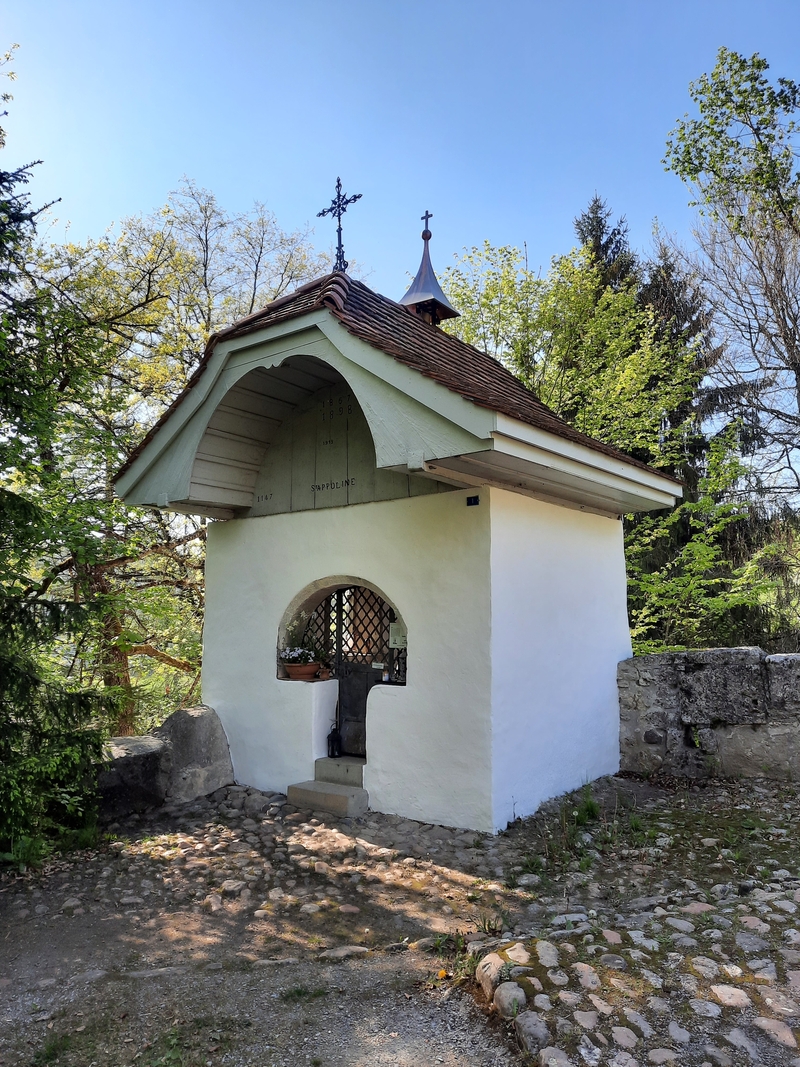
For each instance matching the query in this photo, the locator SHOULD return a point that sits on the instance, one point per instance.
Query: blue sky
(502, 118)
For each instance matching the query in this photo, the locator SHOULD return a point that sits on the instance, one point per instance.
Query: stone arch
(310, 597)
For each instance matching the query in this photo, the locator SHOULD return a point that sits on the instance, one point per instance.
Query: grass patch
(53, 1048)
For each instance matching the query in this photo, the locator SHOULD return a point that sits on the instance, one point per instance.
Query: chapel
(397, 499)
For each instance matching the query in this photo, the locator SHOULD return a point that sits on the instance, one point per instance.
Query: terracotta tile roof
(400, 333)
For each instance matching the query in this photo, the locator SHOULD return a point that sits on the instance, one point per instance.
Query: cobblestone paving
(632, 923)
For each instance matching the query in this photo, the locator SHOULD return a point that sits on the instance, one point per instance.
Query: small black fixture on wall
(473, 501)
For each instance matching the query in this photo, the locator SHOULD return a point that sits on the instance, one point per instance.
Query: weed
(27, 852)
(532, 863)
(491, 925)
(588, 809)
(53, 1048)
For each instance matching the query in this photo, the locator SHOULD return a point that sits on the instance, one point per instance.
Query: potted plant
(300, 663)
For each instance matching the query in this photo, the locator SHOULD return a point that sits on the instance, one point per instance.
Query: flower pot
(303, 672)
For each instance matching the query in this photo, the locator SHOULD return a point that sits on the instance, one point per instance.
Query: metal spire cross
(339, 205)
(424, 218)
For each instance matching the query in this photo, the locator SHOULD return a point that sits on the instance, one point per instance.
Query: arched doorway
(365, 643)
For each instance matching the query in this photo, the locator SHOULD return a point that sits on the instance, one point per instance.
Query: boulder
(201, 759)
(137, 776)
(487, 973)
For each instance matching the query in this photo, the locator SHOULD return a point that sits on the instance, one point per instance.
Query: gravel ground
(628, 924)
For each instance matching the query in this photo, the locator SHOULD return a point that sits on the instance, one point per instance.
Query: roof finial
(339, 205)
(425, 296)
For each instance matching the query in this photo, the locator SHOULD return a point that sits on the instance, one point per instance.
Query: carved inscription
(332, 406)
(322, 486)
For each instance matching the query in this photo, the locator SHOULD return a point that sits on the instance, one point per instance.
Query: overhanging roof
(518, 443)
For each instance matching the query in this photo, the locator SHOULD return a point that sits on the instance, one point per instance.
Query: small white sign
(377, 666)
(398, 638)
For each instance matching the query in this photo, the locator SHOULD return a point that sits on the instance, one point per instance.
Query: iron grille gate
(351, 627)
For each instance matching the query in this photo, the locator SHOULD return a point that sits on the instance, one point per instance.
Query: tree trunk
(114, 667)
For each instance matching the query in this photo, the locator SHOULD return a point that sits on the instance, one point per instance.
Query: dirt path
(638, 923)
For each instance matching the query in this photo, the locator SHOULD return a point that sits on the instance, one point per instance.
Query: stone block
(649, 702)
(137, 776)
(344, 800)
(783, 683)
(768, 750)
(201, 759)
(723, 686)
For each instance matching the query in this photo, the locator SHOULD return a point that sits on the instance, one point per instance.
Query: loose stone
(624, 1037)
(751, 943)
(554, 1057)
(548, 954)
(777, 1030)
(705, 1008)
(730, 996)
(705, 967)
(602, 1006)
(587, 975)
(623, 1059)
(683, 926)
(559, 978)
(343, 952)
(509, 1000)
(613, 962)
(677, 1033)
(487, 973)
(662, 1055)
(589, 1052)
(572, 1000)
(639, 1021)
(739, 1039)
(532, 1031)
(586, 1019)
(518, 954)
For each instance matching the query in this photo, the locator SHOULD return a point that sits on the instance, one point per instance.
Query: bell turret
(425, 297)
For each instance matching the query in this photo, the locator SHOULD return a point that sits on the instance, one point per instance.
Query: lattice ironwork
(352, 625)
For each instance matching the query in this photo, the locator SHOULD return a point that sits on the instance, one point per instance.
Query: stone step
(346, 770)
(344, 800)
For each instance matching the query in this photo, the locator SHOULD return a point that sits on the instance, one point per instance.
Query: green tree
(49, 748)
(151, 295)
(626, 364)
(738, 155)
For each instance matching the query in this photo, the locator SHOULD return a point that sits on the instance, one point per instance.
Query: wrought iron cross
(339, 205)
(424, 218)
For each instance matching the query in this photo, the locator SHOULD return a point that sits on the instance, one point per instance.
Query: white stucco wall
(429, 742)
(559, 628)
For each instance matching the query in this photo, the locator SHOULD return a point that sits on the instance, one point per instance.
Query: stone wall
(729, 712)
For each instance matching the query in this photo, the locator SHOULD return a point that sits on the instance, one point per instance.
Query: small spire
(425, 296)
